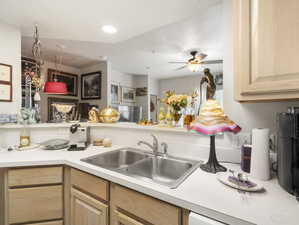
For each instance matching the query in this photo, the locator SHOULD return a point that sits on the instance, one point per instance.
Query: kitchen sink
(116, 160)
(168, 171)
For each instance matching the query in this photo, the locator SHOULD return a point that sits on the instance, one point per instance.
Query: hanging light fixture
(51, 87)
(193, 66)
(55, 87)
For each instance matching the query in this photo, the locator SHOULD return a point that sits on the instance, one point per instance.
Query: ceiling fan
(195, 61)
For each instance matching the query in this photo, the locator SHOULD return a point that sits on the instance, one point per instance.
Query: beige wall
(10, 53)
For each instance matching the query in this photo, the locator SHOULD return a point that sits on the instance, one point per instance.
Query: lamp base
(212, 166)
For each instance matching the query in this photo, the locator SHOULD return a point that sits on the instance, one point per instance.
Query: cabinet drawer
(144, 207)
(91, 184)
(35, 176)
(35, 204)
(60, 222)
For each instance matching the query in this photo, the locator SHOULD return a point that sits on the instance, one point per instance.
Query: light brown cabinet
(35, 204)
(35, 176)
(129, 207)
(31, 195)
(86, 210)
(67, 196)
(89, 199)
(93, 185)
(266, 49)
(122, 219)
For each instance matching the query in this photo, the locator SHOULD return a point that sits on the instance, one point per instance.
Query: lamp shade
(55, 87)
(212, 120)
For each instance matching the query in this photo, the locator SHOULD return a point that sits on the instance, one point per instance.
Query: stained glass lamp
(212, 121)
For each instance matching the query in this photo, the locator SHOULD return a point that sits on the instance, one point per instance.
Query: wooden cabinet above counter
(266, 50)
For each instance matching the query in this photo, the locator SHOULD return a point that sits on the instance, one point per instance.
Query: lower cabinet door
(86, 210)
(122, 219)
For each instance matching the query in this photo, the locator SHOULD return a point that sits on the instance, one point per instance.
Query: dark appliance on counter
(288, 151)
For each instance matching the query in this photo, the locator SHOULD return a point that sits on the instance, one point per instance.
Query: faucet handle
(164, 146)
(155, 140)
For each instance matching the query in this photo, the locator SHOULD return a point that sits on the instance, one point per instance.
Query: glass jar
(25, 137)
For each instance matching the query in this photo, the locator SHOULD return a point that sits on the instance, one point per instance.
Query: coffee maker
(79, 137)
(288, 151)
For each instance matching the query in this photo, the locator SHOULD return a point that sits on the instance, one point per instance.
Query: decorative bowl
(109, 115)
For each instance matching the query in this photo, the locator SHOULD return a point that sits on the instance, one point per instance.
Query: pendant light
(51, 87)
(56, 87)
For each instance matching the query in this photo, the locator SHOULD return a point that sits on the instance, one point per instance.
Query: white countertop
(200, 192)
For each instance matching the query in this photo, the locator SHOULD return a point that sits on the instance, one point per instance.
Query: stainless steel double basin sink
(168, 171)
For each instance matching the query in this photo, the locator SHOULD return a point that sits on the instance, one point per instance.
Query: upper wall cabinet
(266, 54)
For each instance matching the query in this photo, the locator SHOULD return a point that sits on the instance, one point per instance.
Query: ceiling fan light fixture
(193, 67)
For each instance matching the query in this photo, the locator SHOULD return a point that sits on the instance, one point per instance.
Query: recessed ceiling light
(109, 29)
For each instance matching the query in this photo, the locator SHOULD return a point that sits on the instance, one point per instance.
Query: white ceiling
(151, 33)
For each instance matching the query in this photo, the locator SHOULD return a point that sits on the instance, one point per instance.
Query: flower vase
(169, 117)
(162, 116)
(176, 117)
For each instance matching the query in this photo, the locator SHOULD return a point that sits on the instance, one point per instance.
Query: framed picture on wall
(141, 91)
(5, 83)
(71, 80)
(128, 95)
(91, 85)
(115, 93)
(5, 73)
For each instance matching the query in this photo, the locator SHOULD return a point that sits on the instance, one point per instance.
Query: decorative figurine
(93, 115)
(209, 79)
(27, 116)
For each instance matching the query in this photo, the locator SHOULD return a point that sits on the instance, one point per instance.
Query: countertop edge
(124, 125)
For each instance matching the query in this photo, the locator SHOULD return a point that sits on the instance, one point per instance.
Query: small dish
(224, 178)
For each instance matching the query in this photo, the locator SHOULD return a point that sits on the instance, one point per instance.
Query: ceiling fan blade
(180, 68)
(201, 56)
(177, 62)
(212, 62)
